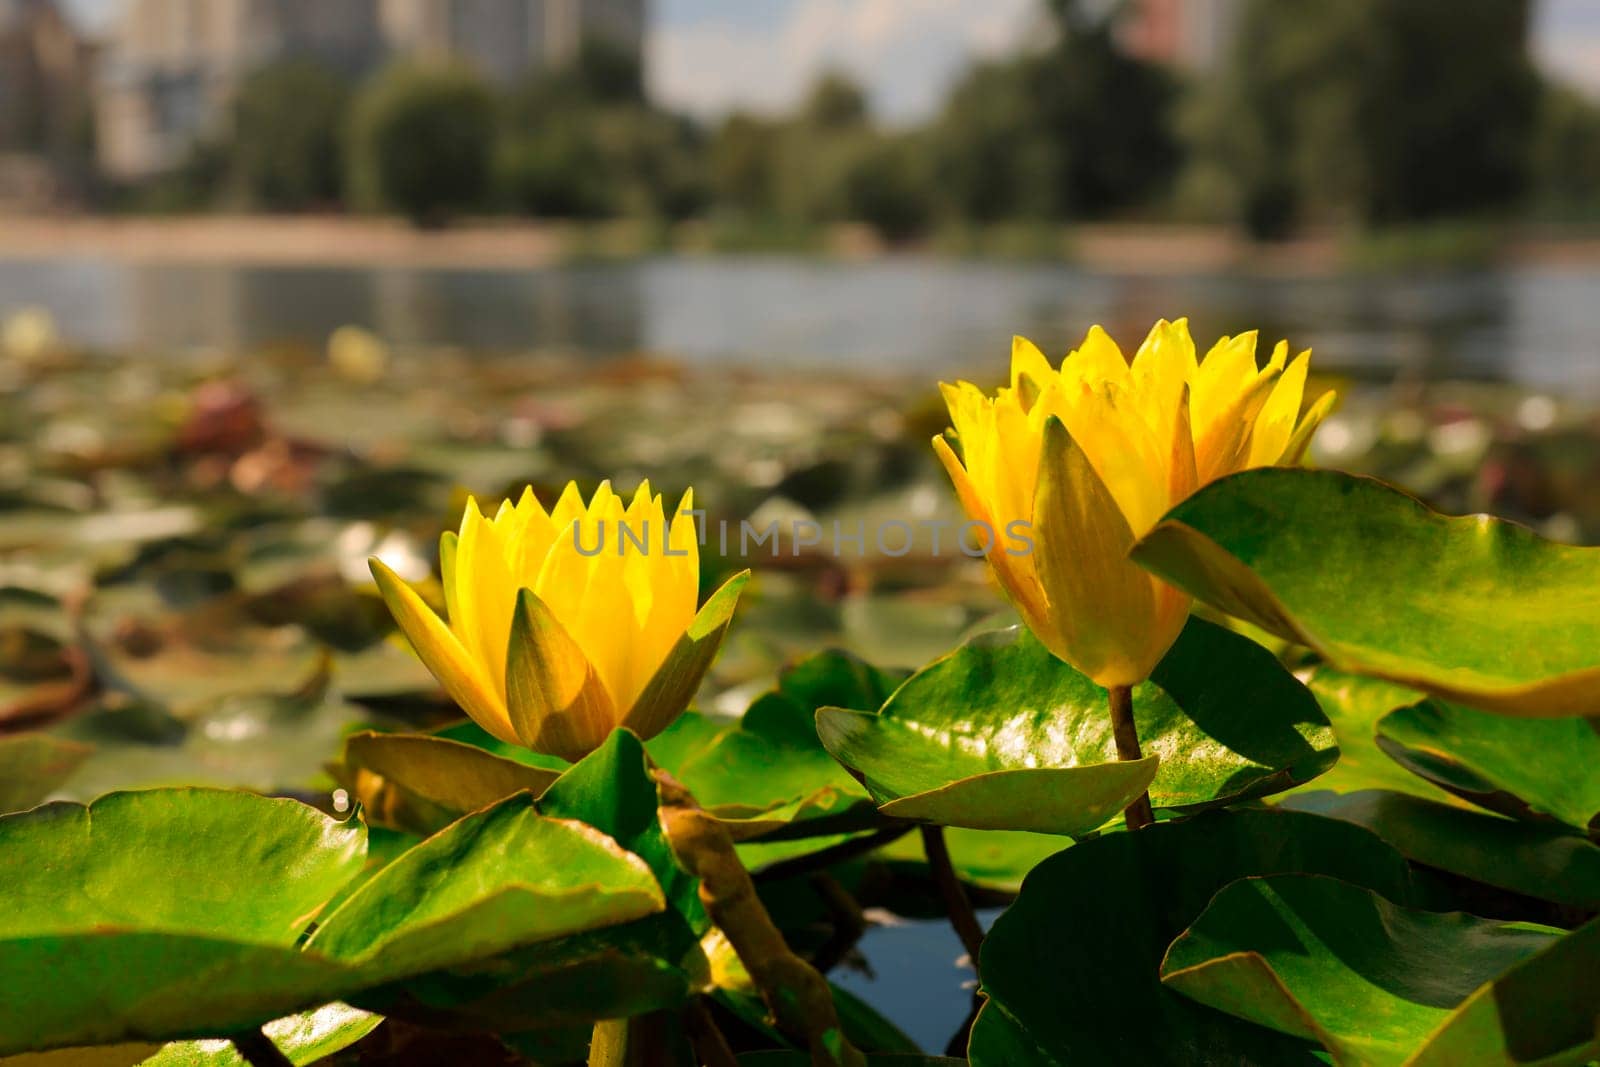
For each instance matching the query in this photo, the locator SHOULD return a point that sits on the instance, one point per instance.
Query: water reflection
(1522, 324)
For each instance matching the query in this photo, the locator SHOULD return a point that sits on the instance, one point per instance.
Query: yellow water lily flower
(566, 624)
(1088, 457)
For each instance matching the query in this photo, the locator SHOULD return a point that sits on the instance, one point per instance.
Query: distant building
(1192, 34)
(45, 78)
(508, 39)
(172, 66)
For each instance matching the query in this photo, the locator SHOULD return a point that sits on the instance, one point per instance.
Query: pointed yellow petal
(556, 703)
(485, 591)
(1108, 621)
(1098, 359)
(459, 673)
(1127, 457)
(1014, 572)
(1224, 446)
(675, 683)
(1295, 452)
(1028, 361)
(1227, 371)
(1275, 425)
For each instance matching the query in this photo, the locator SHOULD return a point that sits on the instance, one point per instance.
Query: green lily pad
(1338, 964)
(515, 878)
(1543, 768)
(163, 914)
(1545, 862)
(769, 776)
(765, 776)
(1545, 1010)
(612, 972)
(32, 766)
(1353, 704)
(1070, 970)
(1002, 735)
(1471, 609)
(421, 783)
(304, 1039)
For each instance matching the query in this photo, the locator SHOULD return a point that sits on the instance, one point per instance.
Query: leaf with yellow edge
(1476, 610)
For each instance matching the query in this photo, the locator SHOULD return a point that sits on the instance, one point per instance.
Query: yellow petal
(1015, 573)
(678, 678)
(1128, 459)
(1098, 359)
(1106, 609)
(1227, 371)
(459, 673)
(485, 591)
(1028, 361)
(1275, 425)
(1223, 447)
(1295, 452)
(556, 703)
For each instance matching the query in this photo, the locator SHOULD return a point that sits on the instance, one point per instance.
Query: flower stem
(608, 1043)
(1138, 814)
(258, 1049)
(798, 998)
(956, 904)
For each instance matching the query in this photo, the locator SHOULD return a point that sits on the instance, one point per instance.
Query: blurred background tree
(1363, 111)
(287, 148)
(1363, 114)
(422, 143)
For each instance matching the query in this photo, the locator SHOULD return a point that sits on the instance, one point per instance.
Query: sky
(712, 56)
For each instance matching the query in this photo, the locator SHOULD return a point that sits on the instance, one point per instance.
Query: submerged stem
(797, 996)
(1138, 814)
(956, 904)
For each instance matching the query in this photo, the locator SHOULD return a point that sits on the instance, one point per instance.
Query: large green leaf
(1472, 609)
(162, 914)
(765, 776)
(621, 970)
(497, 880)
(769, 774)
(1353, 704)
(1070, 970)
(1002, 735)
(1545, 1010)
(1338, 964)
(32, 766)
(304, 1039)
(1544, 768)
(1544, 862)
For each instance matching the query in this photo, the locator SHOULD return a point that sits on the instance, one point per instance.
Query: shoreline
(494, 244)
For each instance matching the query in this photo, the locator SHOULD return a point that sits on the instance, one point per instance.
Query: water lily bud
(29, 335)
(1083, 460)
(358, 355)
(566, 624)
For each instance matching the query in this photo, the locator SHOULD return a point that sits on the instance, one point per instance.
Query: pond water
(1524, 324)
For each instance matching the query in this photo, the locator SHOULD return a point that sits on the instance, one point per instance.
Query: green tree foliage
(422, 142)
(583, 143)
(1376, 110)
(1080, 129)
(1566, 156)
(287, 149)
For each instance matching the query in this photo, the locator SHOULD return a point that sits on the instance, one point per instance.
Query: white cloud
(905, 52)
